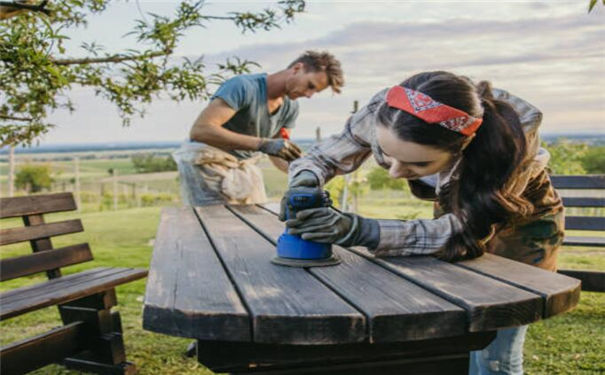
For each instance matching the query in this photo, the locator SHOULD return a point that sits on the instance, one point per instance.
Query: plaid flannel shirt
(345, 152)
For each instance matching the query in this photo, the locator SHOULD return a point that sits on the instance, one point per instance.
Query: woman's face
(410, 160)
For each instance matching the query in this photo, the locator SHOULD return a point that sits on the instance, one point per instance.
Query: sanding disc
(291, 262)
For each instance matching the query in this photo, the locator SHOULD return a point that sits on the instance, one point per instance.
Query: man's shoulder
(247, 81)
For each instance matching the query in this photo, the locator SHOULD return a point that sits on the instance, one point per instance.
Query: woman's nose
(397, 170)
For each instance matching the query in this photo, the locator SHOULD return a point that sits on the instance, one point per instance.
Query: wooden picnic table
(211, 279)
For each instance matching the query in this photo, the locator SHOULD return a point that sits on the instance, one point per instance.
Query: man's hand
(282, 148)
(327, 225)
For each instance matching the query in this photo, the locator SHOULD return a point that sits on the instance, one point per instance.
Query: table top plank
(490, 303)
(398, 309)
(188, 292)
(287, 306)
(561, 293)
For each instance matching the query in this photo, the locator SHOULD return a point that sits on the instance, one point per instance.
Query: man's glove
(304, 178)
(281, 148)
(327, 225)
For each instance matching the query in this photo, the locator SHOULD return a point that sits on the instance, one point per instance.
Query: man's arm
(208, 128)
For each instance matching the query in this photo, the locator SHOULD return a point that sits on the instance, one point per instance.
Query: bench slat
(383, 296)
(64, 289)
(592, 281)
(286, 305)
(32, 353)
(578, 182)
(12, 268)
(583, 202)
(584, 241)
(36, 204)
(35, 232)
(585, 223)
(173, 304)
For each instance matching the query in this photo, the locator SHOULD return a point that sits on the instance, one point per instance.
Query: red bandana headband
(431, 111)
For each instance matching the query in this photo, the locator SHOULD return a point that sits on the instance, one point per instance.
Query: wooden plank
(592, 281)
(583, 202)
(64, 289)
(585, 222)
(560, 293)
(35, 232)
(287, 305)
(12, 268)
(32, 353)
(490, 304)
(584, 241)
(398, 310)
(36, 204)
(235, 357)
(188, 292)
(592, 182)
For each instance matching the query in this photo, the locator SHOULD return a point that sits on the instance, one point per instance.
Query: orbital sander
(292, 250)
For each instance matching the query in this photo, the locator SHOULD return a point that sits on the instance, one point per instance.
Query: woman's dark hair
(476, 193)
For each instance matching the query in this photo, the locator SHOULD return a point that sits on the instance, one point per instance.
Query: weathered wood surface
(286, 305)
(188, 292)
(592, 281)
(32, 353)
(35, 232)
(396, 308)
(587, 182)
(560, 293)
(36, 204)
(12, 268)
(64, 289)
(584, 241)
(363, 299)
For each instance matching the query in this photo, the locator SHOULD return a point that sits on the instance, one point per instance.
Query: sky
(549, 53)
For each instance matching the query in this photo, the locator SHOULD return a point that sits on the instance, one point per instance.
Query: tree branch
(2, 117)
(110, 59)
(12, 8)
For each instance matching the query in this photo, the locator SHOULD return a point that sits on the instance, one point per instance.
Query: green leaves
(36, 76)
(592, 4)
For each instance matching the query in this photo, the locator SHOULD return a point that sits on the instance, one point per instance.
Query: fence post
(77, 183)
(114, 174)
(11, 171)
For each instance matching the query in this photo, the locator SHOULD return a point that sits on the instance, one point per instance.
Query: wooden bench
(91, 336)
(591, 280)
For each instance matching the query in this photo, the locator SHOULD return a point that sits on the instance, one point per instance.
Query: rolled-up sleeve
(416, 237)
(341, 153)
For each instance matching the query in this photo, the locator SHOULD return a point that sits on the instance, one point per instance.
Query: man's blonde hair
(323, 62)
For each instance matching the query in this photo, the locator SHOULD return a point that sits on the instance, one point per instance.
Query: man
(250, 114)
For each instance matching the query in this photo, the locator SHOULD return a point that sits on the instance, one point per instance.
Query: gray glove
(303, 178)
(282, 148)
(327, 225)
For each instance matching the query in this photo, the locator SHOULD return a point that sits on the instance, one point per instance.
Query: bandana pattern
(431, 111)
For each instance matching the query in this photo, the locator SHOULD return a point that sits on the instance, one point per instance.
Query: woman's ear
(467, 141)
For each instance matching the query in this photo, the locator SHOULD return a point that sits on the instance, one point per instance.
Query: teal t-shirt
(247, 95)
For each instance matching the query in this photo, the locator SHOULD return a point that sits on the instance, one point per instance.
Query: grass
(571, 343)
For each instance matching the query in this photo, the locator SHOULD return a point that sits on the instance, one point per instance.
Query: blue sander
(292, 250)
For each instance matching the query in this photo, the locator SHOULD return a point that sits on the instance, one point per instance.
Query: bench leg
(105, 354)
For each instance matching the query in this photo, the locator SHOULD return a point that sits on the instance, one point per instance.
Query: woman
(473, 150)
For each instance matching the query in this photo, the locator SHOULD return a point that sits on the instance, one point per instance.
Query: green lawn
(572, 343)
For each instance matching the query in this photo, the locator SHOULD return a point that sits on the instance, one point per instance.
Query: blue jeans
(503, 356)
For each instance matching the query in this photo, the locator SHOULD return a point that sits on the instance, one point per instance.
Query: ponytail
(477, 197)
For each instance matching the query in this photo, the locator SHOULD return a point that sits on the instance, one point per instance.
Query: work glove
(305, 179)
(327, 225)
(281, 148)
